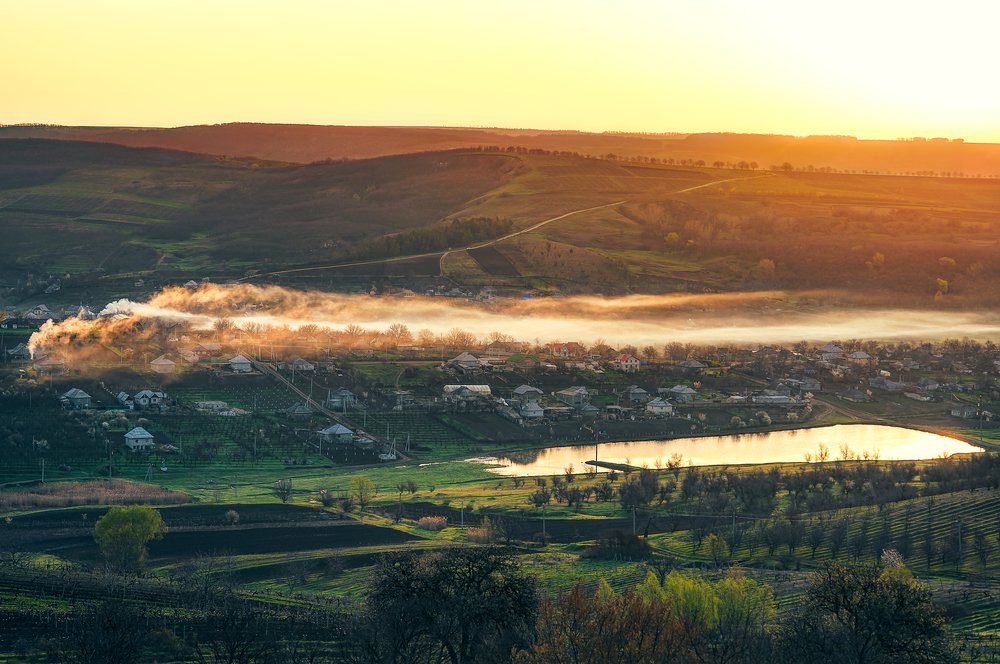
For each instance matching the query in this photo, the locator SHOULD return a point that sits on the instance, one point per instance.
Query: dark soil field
(493, 262)
(202, 530)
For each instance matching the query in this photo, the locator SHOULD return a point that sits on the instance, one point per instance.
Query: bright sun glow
(871, 69)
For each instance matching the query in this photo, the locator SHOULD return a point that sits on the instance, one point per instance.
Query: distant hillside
(103, 213)
(308, 143)
(76, 206)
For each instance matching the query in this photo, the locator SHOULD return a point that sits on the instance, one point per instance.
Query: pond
(842, 441)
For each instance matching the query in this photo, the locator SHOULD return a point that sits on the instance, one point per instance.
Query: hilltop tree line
(441, 237)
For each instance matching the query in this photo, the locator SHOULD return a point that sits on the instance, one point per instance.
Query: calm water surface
(841, 441)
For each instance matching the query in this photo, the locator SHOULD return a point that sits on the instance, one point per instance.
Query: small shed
(139, 439)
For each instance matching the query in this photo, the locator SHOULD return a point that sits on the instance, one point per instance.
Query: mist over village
(425, 333)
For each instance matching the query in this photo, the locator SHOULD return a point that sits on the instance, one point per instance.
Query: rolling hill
(309, 143)
(101, 212)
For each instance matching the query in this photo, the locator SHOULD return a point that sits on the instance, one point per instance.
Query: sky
(872, 69)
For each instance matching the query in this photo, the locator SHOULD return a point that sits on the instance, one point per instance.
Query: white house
(531, 410)
(682, 393)
(241, 364)
(659, 406)
(75, 399)
(527, 393)
(575, 396)
(626, 363)
(125, 399)
(635, 395)
(336, 433)
(299, 364)
(149, 399)
(163, 365)
(466, 362)
(139, 439)
(465, 393)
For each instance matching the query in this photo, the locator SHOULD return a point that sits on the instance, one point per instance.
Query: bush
(232, 517)
(434, 523)
(619, 545)
(478, 535)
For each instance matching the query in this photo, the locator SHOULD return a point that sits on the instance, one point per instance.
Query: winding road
(479, 245)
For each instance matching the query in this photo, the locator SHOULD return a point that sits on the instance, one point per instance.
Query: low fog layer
(742, 319)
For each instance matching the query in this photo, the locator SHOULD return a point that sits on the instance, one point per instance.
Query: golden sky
(873, 69)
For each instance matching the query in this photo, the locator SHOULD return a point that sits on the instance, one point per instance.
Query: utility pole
(544, 536)
(43, 470)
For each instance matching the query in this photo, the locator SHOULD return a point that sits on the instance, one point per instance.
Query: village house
(163, 365)
(526, 393)
(831, 352)
(883, 383)
(531, 410)
(19, 353)
(336, 433)
(50, 365)
(299, 364)
(659, 406)
(340, 399)
(465, 362)
(966, 412)
(575, 396)
(464, 394)
(38, 313)
(299, 411)
(188, 356)
(692, 366)
(125, 399)
(208, 350)
(682, 394)
(626, 363)
(860, 358)
(150, 400)
(75, 399)
(635, 395)
(80, 311)
(139, 439)
(854, 396)
(241, 364)
(568, 350)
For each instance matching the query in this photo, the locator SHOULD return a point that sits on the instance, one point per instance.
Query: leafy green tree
(122, 534)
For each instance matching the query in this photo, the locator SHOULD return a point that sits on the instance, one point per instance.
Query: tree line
(440, 237)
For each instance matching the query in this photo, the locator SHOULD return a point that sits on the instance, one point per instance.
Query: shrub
(432, 523)
(478, 535)
(232, 517)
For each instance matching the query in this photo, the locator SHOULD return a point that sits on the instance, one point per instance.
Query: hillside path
(478, 245)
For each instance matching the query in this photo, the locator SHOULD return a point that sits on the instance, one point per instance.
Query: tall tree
(123, 533)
